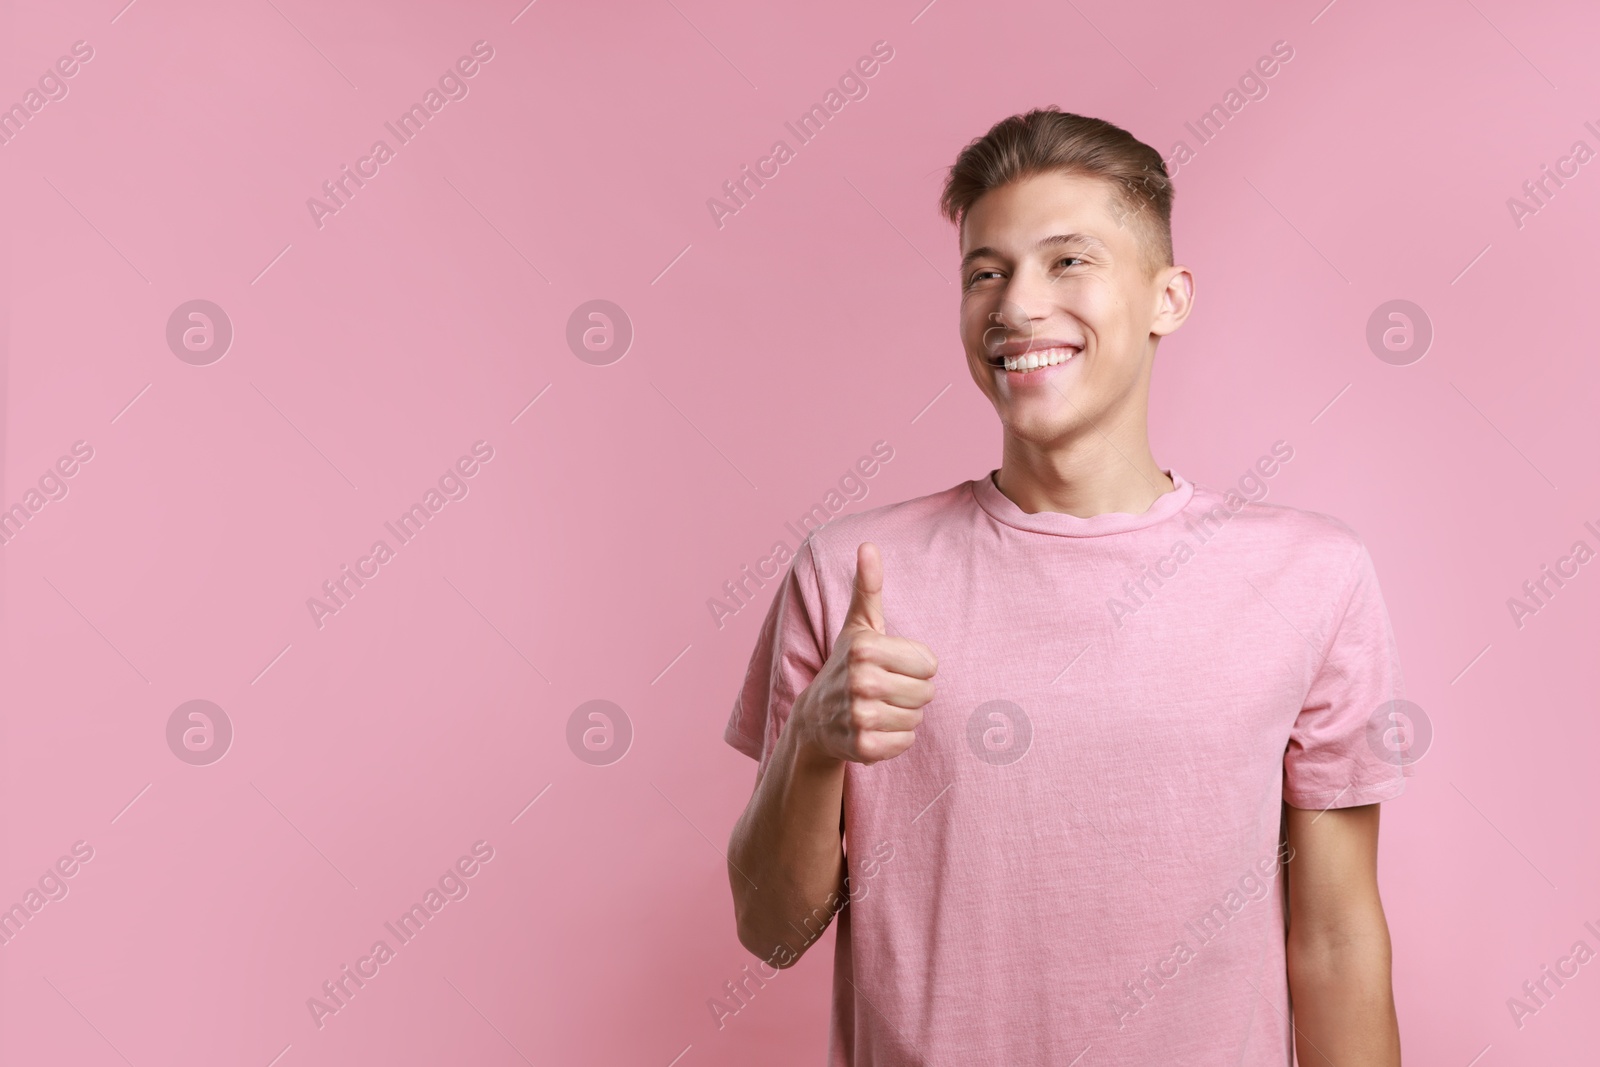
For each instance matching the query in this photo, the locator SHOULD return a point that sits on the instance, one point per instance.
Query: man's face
(1054, 275)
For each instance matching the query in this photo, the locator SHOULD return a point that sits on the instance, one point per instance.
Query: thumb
(866, 600)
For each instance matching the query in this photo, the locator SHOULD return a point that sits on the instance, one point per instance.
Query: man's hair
(1047, 139)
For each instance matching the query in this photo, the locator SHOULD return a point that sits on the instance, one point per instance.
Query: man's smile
(1021, 358)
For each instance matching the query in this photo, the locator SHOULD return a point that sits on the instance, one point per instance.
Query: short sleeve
(789, 653)
(1336, 757)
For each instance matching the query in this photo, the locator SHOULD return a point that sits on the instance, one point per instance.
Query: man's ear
(1174, 301)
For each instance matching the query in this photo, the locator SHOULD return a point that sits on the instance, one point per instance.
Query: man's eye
(1068, 259)
(978, 276)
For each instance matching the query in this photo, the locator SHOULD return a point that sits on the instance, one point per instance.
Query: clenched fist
(867, 700)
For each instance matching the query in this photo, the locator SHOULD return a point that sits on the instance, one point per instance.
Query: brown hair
(1048, 139)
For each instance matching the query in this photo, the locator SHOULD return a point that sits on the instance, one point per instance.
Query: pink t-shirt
(1080, 852)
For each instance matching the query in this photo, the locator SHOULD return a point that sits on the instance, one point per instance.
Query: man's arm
(1338, 941)
(786, 854)
(786, 861)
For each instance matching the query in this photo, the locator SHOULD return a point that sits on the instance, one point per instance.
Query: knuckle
(862, 718)
(867, 685)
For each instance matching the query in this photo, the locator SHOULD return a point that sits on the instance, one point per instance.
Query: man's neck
(1085, 478)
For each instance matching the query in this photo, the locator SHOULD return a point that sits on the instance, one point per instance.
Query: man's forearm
(1343, 1001)
(786, 856)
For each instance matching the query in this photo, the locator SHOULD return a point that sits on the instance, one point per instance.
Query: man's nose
(1015, 319)
(1027, 298)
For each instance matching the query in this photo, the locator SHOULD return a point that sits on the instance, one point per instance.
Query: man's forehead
(1044, 211)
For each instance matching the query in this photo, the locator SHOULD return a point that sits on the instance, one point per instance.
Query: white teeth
(1047, 357)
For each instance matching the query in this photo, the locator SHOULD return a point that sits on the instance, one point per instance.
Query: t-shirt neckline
(1004, 509)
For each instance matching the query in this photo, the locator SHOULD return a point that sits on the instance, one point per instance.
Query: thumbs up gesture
(865, 703)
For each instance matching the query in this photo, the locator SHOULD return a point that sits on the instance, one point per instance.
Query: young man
(1042, 744)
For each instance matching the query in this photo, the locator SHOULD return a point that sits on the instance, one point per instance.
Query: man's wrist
(809, 754)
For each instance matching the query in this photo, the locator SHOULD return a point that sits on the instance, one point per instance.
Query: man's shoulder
(1271, 529)
(888, 524)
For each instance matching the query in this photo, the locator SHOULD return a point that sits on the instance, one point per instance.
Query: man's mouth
(1034, 358)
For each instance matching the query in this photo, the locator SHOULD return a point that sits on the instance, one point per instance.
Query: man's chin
(1044, 430)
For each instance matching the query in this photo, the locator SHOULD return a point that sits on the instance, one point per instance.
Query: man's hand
(865, 703)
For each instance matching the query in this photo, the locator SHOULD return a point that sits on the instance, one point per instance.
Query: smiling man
(1112, 838)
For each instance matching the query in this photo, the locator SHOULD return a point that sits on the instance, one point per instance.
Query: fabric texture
(1083, 843)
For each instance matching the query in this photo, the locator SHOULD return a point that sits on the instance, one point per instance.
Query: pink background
(768, 355)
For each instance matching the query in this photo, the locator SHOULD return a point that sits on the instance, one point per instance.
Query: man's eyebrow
(1052, 241)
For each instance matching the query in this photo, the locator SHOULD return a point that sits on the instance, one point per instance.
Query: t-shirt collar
(1004, 509)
